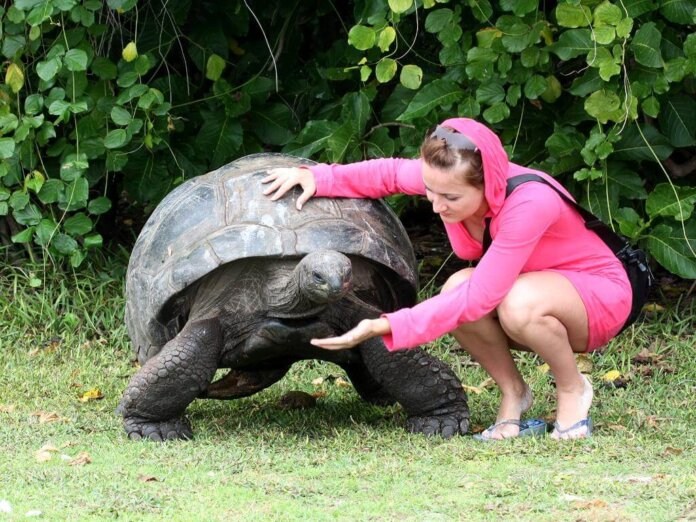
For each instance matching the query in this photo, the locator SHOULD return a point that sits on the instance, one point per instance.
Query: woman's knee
(520, 308)
(456, 279)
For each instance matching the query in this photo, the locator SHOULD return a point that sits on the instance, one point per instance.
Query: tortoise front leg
(156, 397)
(427, 389)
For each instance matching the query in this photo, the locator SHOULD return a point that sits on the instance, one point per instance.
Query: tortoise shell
(223, 216)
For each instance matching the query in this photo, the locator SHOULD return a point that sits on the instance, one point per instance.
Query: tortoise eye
(317, 277)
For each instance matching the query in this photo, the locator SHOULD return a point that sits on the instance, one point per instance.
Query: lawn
(63, 455)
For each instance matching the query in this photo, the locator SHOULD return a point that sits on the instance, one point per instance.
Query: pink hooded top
(532, 230)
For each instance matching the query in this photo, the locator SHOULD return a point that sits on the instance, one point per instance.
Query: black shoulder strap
(615, 242)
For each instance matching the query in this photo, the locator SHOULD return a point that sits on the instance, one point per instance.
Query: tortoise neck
(285, 298)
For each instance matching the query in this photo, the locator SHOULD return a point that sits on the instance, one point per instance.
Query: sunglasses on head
(453, 139)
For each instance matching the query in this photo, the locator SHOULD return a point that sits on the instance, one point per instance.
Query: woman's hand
(366, 329)
(285, 178)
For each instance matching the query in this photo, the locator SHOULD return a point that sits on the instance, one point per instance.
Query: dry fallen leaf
(472, 389)
(645, 356)
(584, 363)
(45, 417)
(617, 427)
(81, 459)
(611, 376)
(45, 453)
(7, 408)
(669, 450)
(318, 381)
(543, 368)
(92, 395)
(596, 503)
(147, 478)
(319, 394)
(486, 383)
(653, 307)
(653, 420)
(342, 383)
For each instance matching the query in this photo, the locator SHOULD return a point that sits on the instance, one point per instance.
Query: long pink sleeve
(526, 217)
(369, 179)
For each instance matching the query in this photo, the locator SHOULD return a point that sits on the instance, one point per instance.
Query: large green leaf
(220, 137)
(7, 148)
(646, 45)
(490, 93)
(439, 93)
(628, 180)
(362, 37)
(638, 7)
(519, 7)
(633, 147)
(438, 19)
(678, 120)
(340, 141)
(214, 67)
(385, 70)
(45, 231)
(573, 15)
(356, 109)
(115, 139)
(679, 11)
(673, 249)
(572, 43)
(312, 139)
(272, 124)
(75, 60)
(400, 6)
(78, 224)
(411, 76)
(29, 215)
(666, 200)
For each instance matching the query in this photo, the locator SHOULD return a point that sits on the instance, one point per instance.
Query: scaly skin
(427, 389)
(158, 394)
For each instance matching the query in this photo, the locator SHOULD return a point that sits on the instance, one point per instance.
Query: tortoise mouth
(295, 322)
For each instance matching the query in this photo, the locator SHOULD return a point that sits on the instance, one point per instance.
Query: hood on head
(493, 155)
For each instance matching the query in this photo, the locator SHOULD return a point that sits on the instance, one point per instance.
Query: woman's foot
(510, 411)
(572, 420)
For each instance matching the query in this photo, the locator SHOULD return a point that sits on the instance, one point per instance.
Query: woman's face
(452, 198)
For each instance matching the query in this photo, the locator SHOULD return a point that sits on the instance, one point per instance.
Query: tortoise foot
(447, 425)
(138, 428)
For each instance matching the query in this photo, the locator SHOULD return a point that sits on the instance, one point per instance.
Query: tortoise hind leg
(427, 389)
(156, 397)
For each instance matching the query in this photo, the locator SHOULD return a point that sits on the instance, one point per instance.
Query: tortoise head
(324, 276)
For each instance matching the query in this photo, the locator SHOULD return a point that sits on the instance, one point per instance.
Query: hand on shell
(366, 329)
(283, 179)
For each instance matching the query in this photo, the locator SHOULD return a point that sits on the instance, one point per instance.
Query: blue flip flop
(528, 428)
(587, 423)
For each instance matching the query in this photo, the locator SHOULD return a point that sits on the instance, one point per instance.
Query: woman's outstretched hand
(283, 179)
(366, 329)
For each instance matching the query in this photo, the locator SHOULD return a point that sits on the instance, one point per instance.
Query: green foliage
(105, 107)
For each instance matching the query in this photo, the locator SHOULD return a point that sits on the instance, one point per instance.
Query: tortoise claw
(445, 426)
(138, 428)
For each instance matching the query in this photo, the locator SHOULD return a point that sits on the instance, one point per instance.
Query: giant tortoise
(223, 277)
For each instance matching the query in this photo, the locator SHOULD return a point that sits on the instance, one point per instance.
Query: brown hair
(467, 164)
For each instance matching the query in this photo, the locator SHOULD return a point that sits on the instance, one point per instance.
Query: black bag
(634, 260)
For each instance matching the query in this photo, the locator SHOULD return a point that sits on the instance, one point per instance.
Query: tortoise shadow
(261, 412)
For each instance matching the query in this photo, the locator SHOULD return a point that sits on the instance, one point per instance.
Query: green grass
(343, 459)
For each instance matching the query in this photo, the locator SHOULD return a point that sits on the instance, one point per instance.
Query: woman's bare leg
(488, 344)
(544, 312)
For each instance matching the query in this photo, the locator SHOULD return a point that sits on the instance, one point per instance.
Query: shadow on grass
(260, 413)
